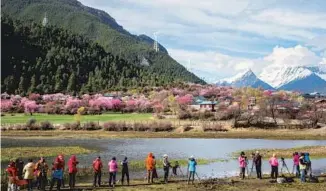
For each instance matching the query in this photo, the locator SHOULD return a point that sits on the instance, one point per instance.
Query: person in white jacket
(29, 174)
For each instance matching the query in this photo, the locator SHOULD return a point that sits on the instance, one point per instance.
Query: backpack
(289, 179)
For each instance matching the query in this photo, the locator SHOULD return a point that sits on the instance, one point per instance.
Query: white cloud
(296, 56)
(268, 30)
(292, 18)
(215, 65)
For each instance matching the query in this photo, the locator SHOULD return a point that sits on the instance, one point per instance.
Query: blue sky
(220, 38)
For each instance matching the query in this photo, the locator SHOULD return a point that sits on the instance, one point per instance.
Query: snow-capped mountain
(308, 84)
(319, 70)
(297, 78)
(280, 76)
(243, 79)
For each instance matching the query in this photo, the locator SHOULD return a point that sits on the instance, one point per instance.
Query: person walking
(72, 169)
(242, 164)
(258, 163)
(12, 176)
(296, 167)
(166, 167)
(113, 168)
(57, 172)
(150, 165)
(97, 167)
(125, 170)
(308, 161)
(41, 173)
(191, 169)
(303, 167)
(29, 174)
(273, 161)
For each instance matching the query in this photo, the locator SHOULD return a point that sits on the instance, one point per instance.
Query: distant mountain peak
(244, 79)
(279, 76)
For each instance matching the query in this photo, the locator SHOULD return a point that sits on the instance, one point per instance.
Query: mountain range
(98, 27)
(293, 78)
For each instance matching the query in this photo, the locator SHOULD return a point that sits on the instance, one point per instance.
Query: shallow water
(175, 148)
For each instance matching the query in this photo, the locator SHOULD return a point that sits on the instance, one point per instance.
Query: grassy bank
(238, 133)
(13, 153)
(231, 184)
(21, 118)
(314, 151)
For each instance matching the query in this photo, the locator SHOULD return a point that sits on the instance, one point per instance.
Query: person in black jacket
(257, 162)
(125, 170)
(20, 165)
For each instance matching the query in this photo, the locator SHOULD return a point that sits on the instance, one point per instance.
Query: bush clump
(91, 126)
(46, 125)
(213, 127)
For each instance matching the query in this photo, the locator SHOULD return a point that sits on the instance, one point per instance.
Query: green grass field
(21, 118)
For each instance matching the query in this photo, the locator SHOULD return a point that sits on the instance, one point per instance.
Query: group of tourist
(20, 175)
(301, 164)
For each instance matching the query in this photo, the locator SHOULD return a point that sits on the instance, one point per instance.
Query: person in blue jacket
(192, 169)
(308, 162)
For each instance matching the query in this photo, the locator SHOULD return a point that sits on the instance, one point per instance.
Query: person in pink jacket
(296, 159)
(273, 161)
(113, 169)
(243, 164)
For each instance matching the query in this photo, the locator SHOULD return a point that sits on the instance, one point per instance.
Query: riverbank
(13, 153)
(245, 133)
(234, 184)
(314, 151)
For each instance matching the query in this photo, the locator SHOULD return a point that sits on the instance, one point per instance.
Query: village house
(200, 103)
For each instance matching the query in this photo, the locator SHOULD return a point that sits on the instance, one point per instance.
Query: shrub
(31, 122)
(46, 125)
(2, 114)
(110, 126)
(206, 115)
(71, 126)
(141, 126)
(187, 127)
(161, 126)
(213, 127)
(90, 126)
(184, 115)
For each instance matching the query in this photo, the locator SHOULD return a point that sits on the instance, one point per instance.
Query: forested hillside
(102, 28)
(49, 59)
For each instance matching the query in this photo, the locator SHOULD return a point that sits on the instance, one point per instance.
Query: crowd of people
(301, 165)
(24, 175)
(20, 174)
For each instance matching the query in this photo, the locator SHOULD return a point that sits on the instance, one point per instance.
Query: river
(137, 149)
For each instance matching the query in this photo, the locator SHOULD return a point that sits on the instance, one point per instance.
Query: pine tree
(32, 88)
(71, 83)
(58, 80)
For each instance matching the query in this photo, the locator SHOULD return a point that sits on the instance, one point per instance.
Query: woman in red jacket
(12, 176)
(72, 167)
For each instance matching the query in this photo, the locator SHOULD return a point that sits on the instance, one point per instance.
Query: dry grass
(239, 133)
(32, 152)
(314, 151)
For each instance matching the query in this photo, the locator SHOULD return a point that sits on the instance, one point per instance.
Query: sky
(217, 39)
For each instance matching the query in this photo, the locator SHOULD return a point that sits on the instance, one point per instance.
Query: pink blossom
(72, 103)
(6, 105)
(34, 96)
(30, 106)
(185, 100)
(103, 103)
(116, 103)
